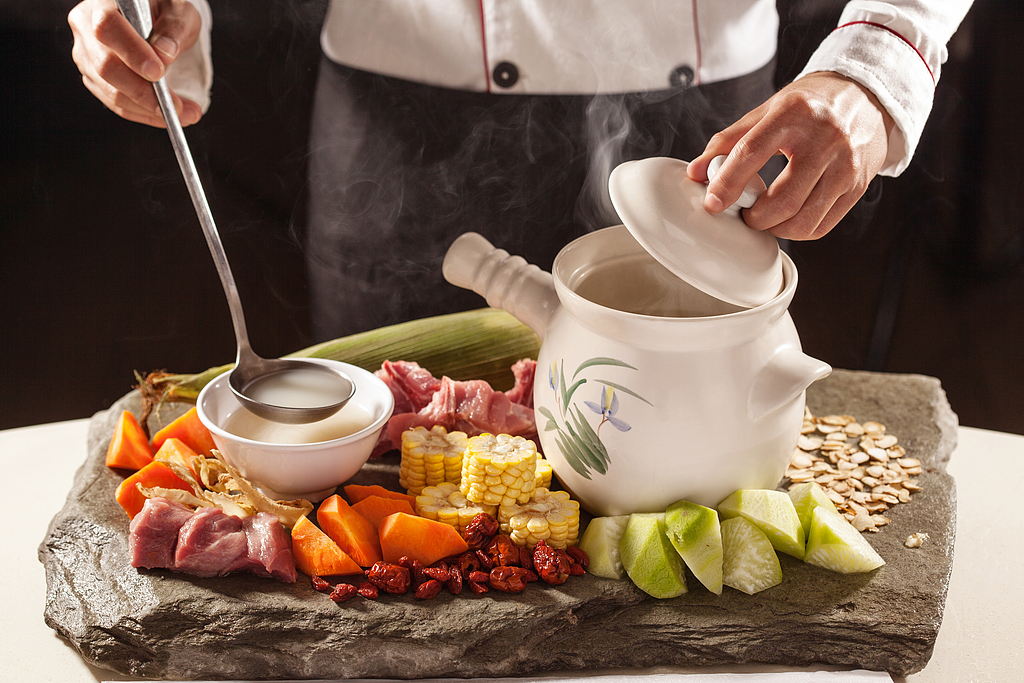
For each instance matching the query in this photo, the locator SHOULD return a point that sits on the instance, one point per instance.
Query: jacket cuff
(191, 75)
(894, 70)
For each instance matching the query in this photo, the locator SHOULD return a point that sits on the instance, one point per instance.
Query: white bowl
(311, 470)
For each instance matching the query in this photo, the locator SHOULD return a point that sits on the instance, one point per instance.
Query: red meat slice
(473, 407)
(154, 533)
(211, 543)
(522, 393)
(269, 547)
(412, 386)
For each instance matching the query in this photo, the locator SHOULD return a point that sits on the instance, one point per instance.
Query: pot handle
(507, 282)
(786, 375)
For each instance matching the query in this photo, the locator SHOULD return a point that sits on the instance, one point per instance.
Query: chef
(434, 117)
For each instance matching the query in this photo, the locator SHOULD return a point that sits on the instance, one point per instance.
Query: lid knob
(754, 189)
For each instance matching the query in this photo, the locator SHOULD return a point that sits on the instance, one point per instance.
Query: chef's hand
(119, 67)
(834, 134)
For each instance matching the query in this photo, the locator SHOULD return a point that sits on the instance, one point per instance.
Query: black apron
(398, 170)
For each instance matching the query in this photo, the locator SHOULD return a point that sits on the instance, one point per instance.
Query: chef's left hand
(835, 135)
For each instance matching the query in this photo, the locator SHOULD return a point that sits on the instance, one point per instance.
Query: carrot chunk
(129, 449)
(317, 555)
(357, 492)
(177, 451)
(190, 430)
(418, 538)
(376, 508)
(155, 474)
(351, 531)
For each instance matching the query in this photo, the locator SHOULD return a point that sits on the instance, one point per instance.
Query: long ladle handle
(138, 15)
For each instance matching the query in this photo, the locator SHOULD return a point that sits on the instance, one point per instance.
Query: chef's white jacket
(894, 48)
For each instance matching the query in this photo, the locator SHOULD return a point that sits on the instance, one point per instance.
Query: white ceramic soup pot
(648, 390)
(291, 461)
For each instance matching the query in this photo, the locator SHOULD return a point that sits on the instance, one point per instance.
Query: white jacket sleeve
(895, 49)
(191, 74)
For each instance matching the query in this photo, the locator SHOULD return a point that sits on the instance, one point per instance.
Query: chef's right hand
(119, 67)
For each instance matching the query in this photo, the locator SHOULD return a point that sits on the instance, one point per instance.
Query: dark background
(105, 270)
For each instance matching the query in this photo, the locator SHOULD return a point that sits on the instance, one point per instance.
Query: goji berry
(508, 579)
(390, 578)
(480, 530)
(428, 589)
(503, 552)
(367, 590)
(342, 592)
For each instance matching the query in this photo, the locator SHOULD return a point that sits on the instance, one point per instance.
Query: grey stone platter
(157, 624)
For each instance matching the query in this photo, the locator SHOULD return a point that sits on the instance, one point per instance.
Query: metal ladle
(251, 371)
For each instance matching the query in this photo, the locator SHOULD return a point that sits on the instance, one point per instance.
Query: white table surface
(979, 640)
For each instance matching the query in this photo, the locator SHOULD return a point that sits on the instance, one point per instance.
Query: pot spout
(788, 373)
(506, 282)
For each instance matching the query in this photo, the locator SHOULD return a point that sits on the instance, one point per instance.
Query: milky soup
(349, 420)
(635, 282)
(298, 388)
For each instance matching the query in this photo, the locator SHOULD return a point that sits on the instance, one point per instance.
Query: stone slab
(157, 624)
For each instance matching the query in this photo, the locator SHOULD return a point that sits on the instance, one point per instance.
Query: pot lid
(717, 253)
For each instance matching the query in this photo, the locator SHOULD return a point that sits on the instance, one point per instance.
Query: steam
(624, 127)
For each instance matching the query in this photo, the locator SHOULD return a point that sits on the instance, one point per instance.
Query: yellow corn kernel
(543, 473)
(499, 469)
(445, 503)
(551, 516)
(430, 457)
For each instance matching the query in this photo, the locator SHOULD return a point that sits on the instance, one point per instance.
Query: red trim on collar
(483, 45)
(903, 38)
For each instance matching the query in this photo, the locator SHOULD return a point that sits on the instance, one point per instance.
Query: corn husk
(480, 344)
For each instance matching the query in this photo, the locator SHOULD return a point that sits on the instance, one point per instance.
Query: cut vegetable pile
(478, 511)
(735, 546)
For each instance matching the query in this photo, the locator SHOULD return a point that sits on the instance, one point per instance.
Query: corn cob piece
(551, 516)
(430, 457)
(445, 503)
(478, 344)
(543, 473)
(499, 469)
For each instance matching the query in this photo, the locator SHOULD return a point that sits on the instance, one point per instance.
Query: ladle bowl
(259, 384)
(300, 379)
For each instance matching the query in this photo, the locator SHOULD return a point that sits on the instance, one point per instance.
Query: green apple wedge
(649, 558)
(806, 497)
(600, 541)
(835, 544)
(773, 513)
(695, 533)
(749, 560)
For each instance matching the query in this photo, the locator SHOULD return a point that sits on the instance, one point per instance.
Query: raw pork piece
(211, 543)
(411, 385)
(472, 407)
(524, 372)
(269, 547)
(154, 533)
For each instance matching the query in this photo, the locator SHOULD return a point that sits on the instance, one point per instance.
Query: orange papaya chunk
(351, 531)
(155, 474)
(177, 451)
(357, 492)
(418, 538)
(317, 555)
(190, 430)
(129, 448)
(376, 508)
